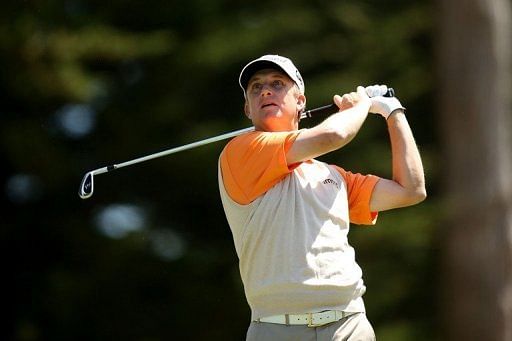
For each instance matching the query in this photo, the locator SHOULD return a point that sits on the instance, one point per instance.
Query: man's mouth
(268, 105)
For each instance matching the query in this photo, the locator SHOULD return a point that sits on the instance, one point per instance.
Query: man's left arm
(407, 186)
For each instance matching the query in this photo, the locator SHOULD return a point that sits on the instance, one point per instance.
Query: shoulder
(257, 142)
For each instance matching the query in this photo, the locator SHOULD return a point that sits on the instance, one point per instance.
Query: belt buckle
(310, 321)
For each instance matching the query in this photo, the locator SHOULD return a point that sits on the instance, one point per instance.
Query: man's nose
(266, 90)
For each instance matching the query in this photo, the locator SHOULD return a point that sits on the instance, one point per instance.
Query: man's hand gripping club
(380, 101)
(381, 105)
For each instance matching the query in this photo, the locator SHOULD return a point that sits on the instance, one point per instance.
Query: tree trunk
(474, 65)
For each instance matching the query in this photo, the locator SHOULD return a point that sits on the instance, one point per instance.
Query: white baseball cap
(271, 61)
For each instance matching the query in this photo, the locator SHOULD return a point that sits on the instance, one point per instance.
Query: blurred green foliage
(88, 83)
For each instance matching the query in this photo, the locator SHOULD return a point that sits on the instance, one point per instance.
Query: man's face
(273, 101)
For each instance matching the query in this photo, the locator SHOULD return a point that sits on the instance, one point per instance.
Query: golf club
(87, 185)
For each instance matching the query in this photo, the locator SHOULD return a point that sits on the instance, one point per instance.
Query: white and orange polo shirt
(290, 226)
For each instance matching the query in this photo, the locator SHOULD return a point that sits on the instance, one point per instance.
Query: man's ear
(246, 110)
(301, 103)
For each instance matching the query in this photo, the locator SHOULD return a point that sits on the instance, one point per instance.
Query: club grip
(333, 108)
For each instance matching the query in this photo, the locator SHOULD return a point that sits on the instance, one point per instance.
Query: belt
(309, 319)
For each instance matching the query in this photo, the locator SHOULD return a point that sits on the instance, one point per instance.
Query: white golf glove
(385, 105)
(376, 90)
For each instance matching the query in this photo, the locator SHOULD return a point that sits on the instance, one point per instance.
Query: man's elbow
(416, 196)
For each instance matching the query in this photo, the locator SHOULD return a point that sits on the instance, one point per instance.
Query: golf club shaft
(328, 109)
(180, 148)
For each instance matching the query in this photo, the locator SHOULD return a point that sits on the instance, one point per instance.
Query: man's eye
(256, 87)
(278, 84)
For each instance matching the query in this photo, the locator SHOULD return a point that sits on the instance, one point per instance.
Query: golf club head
(87, 186)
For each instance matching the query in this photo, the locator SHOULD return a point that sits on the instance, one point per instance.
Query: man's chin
(272, 110)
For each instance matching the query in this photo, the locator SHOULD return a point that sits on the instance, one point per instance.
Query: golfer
(290, 213)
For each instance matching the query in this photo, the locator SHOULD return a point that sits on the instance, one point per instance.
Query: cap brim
(256, 66)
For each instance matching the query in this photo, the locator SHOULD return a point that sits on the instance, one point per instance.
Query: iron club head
(87, 186)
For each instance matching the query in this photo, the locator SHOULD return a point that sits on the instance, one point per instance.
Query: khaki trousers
(354, 327)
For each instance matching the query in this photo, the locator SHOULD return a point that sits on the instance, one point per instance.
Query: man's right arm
(333, 133)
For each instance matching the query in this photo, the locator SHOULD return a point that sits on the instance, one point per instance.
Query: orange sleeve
(254, 162)
(359, 189)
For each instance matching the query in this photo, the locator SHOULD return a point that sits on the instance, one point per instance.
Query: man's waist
(294, 303)
(310, 319)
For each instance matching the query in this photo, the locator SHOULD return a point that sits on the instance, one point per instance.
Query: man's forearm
(347, 123)
(407, 165)
(333, 133)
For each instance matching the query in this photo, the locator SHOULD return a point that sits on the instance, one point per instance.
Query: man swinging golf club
(289, 213)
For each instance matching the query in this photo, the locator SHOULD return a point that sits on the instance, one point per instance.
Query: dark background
(84, 84)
